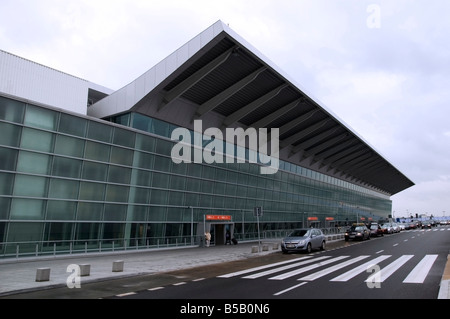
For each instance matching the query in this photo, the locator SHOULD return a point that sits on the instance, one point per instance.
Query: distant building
(87, 169)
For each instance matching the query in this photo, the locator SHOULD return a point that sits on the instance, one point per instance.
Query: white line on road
(126, 294)
(286, 290)
(420, 272)
(356, 271)
(389, 269)
(313, 266)
(245, 271)
(271, 271)
(331, 269)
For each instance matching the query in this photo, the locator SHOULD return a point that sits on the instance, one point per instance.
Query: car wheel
(323, 246)
(308, 248)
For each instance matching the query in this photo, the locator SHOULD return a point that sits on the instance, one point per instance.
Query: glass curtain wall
(76, 184)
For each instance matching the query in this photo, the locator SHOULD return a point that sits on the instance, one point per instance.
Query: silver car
(304, 239)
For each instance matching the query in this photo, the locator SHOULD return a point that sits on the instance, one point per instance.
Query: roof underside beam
(224, 95)
(313, 140)
(182, 87)
(265, 121)
(292, 124)
(299, 135)
(322, 146)
(242, 112)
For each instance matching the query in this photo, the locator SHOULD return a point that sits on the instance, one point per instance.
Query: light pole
(192, 225)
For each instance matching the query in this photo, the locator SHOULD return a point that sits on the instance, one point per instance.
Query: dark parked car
(304, 239)
(359, 232)
(375, 230)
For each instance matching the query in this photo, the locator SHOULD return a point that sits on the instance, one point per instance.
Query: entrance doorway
(219, 233)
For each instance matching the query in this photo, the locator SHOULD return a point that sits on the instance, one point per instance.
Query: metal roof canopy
(231, 81)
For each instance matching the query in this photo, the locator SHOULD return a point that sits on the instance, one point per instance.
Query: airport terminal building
(87, 169)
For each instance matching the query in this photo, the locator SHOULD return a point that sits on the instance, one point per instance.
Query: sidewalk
(18, 275)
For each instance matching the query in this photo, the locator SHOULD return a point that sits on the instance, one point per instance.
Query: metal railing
(68, 247)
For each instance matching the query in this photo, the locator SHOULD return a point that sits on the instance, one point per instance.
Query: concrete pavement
(19, 275)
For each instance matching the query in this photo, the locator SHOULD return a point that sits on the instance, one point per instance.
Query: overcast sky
(382, 66)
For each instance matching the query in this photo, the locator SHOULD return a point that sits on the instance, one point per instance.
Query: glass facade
(76, 184)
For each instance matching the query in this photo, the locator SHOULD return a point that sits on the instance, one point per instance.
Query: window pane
(159, 197)
(37, 140)
(72, 125)
(11, 111)
(124, 137)
(141, 122)
(143, 160)
(119, 174)
(32, 186)
(137, 213)
(145, 143)
(8, 159)
(27, 209)
(66, 189)
(33, 163)
(41, 118)
(58, 231)
(94, 171)
(10, 135)
(87, 231)
(89, 211)
(164, 147)
(61, 210)
(115, 212)
(92, 191)
(122, 156)
(116, 193)
(6, 184)
(99, 131)
(69, 146)
(138, 195)
(162, 163)
(142, 178)
(4, 210)
(97, 151)
(25, 232)
(66, 167)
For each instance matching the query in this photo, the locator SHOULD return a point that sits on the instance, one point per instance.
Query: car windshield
(299, 233)
(374, 227)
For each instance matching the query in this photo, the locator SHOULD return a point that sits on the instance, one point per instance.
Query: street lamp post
(192, 225)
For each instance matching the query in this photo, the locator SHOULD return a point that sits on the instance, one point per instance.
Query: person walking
(228, 238)
(207, 239)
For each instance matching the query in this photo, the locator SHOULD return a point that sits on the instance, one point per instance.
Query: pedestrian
(207, 239)
(228, 238)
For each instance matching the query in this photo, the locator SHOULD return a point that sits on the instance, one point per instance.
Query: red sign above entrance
(218, 217)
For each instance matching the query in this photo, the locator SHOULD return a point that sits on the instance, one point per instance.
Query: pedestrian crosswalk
(310, 268)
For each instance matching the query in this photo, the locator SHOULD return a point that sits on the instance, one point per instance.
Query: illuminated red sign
(329, 218)
(313, 218)
(218, 217)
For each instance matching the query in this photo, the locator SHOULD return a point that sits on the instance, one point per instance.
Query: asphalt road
(411, 264)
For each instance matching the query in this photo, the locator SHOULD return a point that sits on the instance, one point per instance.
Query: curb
(444, 290)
